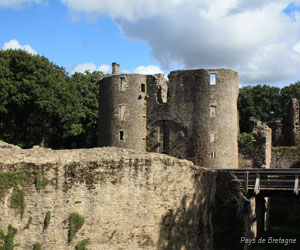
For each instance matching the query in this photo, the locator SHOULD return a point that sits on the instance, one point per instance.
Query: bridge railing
(257, 180)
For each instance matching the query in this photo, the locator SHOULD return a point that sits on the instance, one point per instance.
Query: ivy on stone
(82, 244)
(76, 222)
(47, 220)
(8, 240)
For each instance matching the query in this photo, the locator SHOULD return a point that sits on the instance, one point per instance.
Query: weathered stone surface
(291, 125)
(262, 144)
(190, 118)
(285, 157)
(130, 200)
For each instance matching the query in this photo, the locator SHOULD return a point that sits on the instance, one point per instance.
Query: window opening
(121, 135)
(212, 79)
(213, 111)
(123, 84)
(122, 112)
(212, 137)
(212, 155)
(143, 87)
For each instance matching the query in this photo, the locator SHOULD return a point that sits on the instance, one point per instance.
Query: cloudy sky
(259, 38)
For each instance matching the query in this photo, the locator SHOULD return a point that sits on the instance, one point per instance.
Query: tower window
(213, 155)
(213, 110)
(121, 134)
(123, 84)
(212, 79)
(212, 137)
(143, 87)
(122, 112)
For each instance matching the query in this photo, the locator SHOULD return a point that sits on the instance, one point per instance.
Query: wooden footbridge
(261, 183)
(267, 181)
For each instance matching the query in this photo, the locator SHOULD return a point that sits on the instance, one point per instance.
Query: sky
(260, 39)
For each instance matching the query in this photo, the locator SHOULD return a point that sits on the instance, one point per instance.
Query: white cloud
(14, 44)
(105, 68)
(17, 3)
(296, 48)
(148, 70)
(253, 37)
(81, 68)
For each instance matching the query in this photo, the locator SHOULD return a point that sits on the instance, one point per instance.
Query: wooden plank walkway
(269, 180)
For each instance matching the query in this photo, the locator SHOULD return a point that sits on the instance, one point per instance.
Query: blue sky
(259, 38)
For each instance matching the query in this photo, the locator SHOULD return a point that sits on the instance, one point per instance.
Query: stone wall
(195, 117)
(291, 126)
(285, 157)
(130, 200)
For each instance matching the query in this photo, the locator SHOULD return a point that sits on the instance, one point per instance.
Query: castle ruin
(194, 116)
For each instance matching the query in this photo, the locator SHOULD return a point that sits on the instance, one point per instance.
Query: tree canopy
(265, 103)
(41, 105)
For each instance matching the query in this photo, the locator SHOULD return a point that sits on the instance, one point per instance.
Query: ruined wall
(194, 118)
(129, 200)
(285, 157)
(122, 111)
(262, 145)
(199, 118)
(291, 126)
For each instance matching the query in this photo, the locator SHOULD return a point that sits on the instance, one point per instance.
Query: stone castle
(194, 116)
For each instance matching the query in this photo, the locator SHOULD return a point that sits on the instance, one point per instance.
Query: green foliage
(37, 246)
(18, 201)
(47, 220)
(287, 93)
(82, 244)
(245, 141)
(41, 182)
(17, 180)
(261, 102)
(8, 240)
(76, 222)
(41, 104)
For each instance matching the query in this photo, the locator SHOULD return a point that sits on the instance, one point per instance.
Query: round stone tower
(205, 103)
(122, 111)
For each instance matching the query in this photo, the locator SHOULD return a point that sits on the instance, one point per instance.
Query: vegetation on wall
(17, 180)
(40, 182)
(245, 141)
(7, 241)
(37, 246)
(76, 221)
(47, 220)
(82, 245)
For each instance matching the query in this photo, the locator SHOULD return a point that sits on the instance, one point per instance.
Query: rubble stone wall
(129, 200)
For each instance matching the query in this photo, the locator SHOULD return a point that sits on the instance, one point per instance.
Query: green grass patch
(76, 222)
(8, 240)
(18, 180)
(47, 220)
(37, 246)
(82, 244)
(40, 182)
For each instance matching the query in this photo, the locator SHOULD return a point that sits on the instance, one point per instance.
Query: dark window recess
(143, 87)
(121, 135)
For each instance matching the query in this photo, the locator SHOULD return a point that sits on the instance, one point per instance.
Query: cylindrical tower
(205, 101)
(122, 111)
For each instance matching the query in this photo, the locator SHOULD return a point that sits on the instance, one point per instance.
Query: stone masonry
(193, 117)
(130, 200)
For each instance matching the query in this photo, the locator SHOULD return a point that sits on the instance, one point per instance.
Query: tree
(36, 98)
(261, 102)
